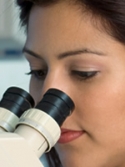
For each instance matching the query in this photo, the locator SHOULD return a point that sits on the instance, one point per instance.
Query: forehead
(65, 11)
(61, 25)
(56, 16)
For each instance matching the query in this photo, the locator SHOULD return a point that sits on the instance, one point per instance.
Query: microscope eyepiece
(16, 100)
(44, 121)
(57, 104)
(13, 104)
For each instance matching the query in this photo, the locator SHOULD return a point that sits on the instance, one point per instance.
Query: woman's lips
(69, 135)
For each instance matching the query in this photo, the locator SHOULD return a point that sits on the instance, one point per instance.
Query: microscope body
(16, 152)
(26, 133)
(35, 134)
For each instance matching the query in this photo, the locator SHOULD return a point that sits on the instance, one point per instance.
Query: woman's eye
(84, 75)
(39, 74)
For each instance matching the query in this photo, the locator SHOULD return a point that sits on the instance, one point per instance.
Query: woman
(78, 46)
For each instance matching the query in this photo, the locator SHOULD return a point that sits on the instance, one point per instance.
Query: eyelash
(85, 75)
(39, 74)
(82, 75)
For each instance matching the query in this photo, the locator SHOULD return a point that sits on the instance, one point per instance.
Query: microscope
(27, 132)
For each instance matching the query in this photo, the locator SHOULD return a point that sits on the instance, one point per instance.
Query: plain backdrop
(12, 67)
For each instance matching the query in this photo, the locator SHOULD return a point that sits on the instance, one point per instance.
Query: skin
(99, 99)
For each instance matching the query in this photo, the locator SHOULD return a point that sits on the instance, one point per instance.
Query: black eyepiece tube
(16, 100)
(57, 104)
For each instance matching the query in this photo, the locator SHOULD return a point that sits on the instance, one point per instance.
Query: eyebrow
(31, 52)
(67, 54)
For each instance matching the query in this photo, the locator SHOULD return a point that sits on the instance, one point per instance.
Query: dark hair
(110, 13)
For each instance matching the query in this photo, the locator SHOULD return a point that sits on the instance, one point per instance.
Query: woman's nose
(57, 82)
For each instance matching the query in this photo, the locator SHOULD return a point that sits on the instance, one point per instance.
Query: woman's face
(67, 51)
